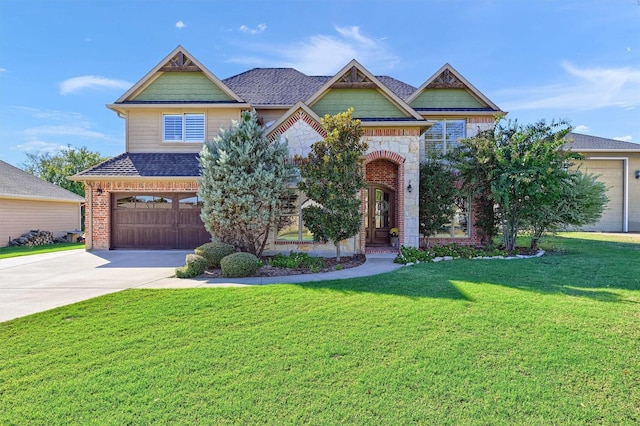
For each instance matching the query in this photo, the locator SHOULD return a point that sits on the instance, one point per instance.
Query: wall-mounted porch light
(409, 187)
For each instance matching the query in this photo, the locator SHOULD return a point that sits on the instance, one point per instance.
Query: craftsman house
(147, 196)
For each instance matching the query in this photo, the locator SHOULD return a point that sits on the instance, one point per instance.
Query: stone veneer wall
(98, 213)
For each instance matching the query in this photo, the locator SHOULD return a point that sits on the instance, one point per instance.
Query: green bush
(297, 260)
(238, 265)
(214, 252)
(195, 265)
(414, 254)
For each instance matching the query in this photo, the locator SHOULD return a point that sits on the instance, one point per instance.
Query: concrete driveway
(36, 283)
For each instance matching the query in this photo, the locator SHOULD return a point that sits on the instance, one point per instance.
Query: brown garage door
(611, 174)
(157, 221)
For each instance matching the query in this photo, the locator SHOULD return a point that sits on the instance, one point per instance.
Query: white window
(459, 225)
(444, 135)
(290, 225)
(183, 127)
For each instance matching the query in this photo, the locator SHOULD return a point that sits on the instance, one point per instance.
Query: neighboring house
(147, 196)
(28, 202)
(617, 164)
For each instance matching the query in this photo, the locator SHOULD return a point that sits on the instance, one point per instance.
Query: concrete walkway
(37, 283)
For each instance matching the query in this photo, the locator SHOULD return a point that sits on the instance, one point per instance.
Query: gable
(182, 86)
(448, 89)
(366, 103)
(179, 77)
(446, 98)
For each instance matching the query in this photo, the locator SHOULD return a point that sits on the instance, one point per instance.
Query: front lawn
(551, 340)
(7, 252)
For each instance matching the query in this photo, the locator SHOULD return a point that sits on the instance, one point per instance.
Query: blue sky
(62, 61)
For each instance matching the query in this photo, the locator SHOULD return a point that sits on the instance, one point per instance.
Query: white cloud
(582, 89)
(627, 138)
(180, 25)
(64, 130)
(3, 69)
(257, 30)
(323, 54)
(76, 84)
(581, 129)
(39, 147)
(50, 114)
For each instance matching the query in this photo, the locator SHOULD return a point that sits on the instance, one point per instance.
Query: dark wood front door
(380, 215)
(157, 221)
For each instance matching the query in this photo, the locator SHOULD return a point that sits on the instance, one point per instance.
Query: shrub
(214, 252)
(297, 260)
(413, 254)
(195, 265)
(238, 265)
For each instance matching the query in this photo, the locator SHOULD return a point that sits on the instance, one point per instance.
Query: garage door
(611, 174)
(157, 221)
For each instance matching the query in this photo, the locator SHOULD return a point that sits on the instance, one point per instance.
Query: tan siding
(144, 129)
(271, 114)
(20, 216)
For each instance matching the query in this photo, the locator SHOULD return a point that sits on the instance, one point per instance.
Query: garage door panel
(156, 223)
(610, 172)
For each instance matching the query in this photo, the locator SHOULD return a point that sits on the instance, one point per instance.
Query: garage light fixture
(638, 174)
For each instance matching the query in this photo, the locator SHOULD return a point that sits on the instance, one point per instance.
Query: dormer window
(183, 127)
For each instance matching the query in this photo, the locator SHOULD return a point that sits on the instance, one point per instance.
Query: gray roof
(143, 164)
(17, 183)
(286, 86)
(274, 86)
(580, 142)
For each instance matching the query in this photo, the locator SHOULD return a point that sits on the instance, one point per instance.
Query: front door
(379, 215)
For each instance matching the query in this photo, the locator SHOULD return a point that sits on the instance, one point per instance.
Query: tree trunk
(337, 251)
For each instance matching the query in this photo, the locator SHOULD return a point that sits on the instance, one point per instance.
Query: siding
(182, 86)
(144, 129)
(446, 98)
(367, 103)
(20, 216)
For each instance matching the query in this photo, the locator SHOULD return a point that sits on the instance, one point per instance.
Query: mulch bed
(267, 270)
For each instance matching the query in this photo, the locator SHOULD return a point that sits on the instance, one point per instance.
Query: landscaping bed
(269, 270)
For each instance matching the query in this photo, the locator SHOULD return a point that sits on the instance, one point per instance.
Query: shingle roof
(286, 86)
(274, 86)
(580, 142)
(142, 164)
(18, 183)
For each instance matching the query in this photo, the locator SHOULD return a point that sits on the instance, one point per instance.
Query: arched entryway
(381, 200)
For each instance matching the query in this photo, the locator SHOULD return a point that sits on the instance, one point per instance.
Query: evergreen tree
(332, 177)
(244, 178)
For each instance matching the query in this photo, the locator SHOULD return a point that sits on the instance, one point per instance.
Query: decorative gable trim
(299, 112)
(448, 78)
(355, 76)
(178, 60)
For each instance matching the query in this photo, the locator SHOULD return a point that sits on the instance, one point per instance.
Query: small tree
(437, 196)
(244, 177)
(581, 202)
(332, 176)
(56, 168)
(524, 166)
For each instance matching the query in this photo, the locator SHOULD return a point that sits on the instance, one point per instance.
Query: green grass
(551, 340)
(7, 252)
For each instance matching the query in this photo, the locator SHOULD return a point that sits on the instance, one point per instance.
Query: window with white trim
(444, 135)
(290, 225)
(187, 127)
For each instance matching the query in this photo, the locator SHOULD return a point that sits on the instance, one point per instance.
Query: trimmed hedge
(196, 265)
(238, 265)
(214, 252)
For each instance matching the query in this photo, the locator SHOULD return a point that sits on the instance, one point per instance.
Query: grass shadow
(577, 267)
